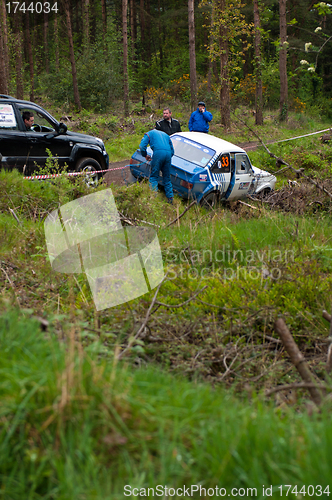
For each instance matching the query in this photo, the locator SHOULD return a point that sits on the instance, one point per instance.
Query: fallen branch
(301, 385)
(181, 215)
(143, 325)
(14, 215)
(280, 161)
(297, 359)
(11, 284)
(129, 220)
(247, 205)
(327, 316)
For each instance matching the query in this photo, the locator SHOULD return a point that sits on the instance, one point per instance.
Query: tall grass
(75, 426)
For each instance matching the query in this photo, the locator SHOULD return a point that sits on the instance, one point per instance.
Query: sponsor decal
(203, 177)
(244, 185)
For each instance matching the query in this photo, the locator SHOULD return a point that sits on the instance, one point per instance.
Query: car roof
(219, 145)
(9, 98)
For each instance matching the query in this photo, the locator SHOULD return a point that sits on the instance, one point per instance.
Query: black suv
(26, 148)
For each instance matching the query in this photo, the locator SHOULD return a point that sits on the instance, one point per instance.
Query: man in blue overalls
(163, 151)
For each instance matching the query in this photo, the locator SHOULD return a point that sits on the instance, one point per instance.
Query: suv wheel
(91, 167)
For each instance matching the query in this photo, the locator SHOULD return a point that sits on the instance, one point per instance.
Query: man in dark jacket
(168, 124)
(163, 151)
(199, 120)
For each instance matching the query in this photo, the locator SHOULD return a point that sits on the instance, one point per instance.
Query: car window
(41, 122)
(243, 165)
(7, 117)
(191, 151)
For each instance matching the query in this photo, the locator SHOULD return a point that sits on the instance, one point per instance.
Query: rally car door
(243, 177)
(220, 172)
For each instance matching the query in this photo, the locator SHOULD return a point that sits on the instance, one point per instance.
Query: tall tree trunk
(104, 17)
(18, 55)
(72, 54)
(30, 57)
(133, 31)
(125, 57)
(3, 69)
(4, 60)
(56, 39)
(283, 111)
(212, 61)
(258, 67)
(45, 48)
(225, 105)
(142, 24)
(215, 71)
(161, 39)
(3, 79)
(93, 30)
(192, 55)
(86, 21)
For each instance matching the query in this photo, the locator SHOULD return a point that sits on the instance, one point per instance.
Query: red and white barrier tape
(70, 174)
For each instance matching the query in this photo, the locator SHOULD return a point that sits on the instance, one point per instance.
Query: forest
(91, 54)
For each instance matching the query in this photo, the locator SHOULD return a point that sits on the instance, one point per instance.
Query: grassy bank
(77, 426)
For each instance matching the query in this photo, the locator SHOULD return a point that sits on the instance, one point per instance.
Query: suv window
(42, 123)
(7, 117)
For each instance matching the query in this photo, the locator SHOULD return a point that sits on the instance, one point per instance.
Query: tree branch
(181, 215)
(280, 161)
(143, 325)
(301, 385)
(297, 359)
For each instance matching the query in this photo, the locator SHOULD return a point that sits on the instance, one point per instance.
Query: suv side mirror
(62, 129)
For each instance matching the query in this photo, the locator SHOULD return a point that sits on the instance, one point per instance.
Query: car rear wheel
(210, 201)
(90, 167)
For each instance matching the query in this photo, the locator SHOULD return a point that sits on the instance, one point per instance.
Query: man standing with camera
(199, 120)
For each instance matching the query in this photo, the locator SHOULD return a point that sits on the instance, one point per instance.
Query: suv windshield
(191, 151)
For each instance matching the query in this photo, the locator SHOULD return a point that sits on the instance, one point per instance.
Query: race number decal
(224, 163)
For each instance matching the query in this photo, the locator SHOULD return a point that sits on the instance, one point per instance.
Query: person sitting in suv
(28, 119)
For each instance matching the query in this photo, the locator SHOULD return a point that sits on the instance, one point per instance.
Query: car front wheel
(90, 167)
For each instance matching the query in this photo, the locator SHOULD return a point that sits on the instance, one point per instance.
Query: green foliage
(98, 73)
(30, 199)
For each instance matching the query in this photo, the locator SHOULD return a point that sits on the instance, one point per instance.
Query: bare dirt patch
(121, 175)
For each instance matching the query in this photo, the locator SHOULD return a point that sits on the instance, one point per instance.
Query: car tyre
(210, 201)
(264, 193)
(91, 167)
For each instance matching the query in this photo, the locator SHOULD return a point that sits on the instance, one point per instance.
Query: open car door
(243, 176)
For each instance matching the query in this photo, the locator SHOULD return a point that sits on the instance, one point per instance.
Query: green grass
(75, 426)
